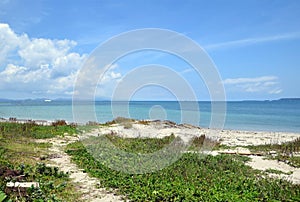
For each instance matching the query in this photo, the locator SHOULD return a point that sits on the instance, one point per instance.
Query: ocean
(279, 115)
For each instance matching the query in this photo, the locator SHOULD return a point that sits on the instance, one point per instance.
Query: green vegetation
(32, 130)
(126, 122)
(140, 145)
(149, 153)
(120, 120)
(198, 142)
(20, 160)
(3, 197)
(191, 178)
(139, 151)
(278, 172)
(291, 160)
(286, 148)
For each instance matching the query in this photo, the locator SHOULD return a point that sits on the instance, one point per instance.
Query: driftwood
(20, 187)
(241, 153)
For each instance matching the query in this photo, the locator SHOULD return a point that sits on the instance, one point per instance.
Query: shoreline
(229, 137)
(160, 129)
(23, 121)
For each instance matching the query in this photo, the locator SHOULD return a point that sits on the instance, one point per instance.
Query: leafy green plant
(3, 196)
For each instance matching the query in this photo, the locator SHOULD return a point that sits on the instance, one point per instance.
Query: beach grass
(140, 145)
(32, 130)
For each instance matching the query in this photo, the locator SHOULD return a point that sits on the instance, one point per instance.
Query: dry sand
(289, 173)
(158, 129)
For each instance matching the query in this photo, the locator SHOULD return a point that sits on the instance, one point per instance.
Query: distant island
(290, 99)
(99, 100)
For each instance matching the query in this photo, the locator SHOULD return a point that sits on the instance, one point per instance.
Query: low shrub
(59, 123)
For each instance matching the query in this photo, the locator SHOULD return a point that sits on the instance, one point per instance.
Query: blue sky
(255, 45)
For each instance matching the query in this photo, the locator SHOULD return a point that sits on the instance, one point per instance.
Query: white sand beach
(160, 129)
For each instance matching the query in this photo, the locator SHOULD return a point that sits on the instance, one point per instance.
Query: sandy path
(85, 184)
(259, 163)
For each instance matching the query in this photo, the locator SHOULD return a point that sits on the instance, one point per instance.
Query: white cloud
(94, 81)
(9, 41)
(12, 70)
(250, 41)
(275, 91)
(108, 82)
(43, 51)
(188, 70)
(264, 84)
(110, 75)
(250, 80)
(40, 66)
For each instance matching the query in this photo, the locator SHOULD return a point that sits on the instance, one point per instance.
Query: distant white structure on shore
(15, 120)
(47, 100)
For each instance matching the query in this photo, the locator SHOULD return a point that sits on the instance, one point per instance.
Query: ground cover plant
(191, 178)
(20, 161)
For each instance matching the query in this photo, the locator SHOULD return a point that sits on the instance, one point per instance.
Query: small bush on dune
(120, 120)
(200, 141)
(59, 123)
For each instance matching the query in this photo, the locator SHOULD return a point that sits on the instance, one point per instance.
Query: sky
(255, 46)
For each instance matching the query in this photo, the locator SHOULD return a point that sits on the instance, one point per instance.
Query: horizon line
(108, 100)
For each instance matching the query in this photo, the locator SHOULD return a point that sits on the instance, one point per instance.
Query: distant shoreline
(222, 131)
(108, 100)
(23, 121)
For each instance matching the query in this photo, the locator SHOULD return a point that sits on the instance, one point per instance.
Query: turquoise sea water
(279, 115)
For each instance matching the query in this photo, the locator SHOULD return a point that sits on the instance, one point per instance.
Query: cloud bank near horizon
(38, 67)
(263, 84)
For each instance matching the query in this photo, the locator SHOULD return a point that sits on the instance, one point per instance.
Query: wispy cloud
(250, 80)
(251, 41)
(188, 70)
(264, 84)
